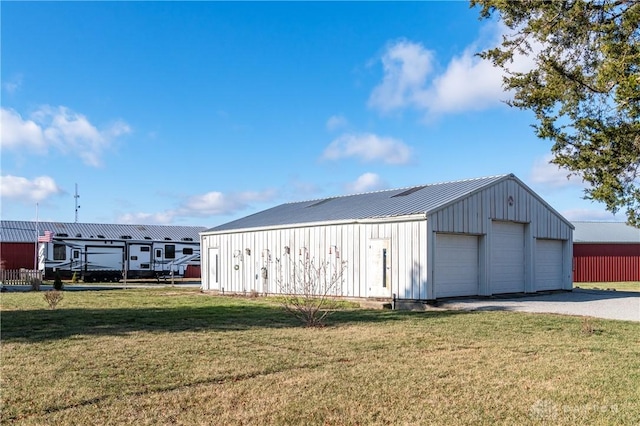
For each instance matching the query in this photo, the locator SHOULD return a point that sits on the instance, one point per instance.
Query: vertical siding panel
(362, 265)
(606, 262)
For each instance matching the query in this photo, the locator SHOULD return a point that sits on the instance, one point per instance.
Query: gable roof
(422, 199)
(17, 231)
(605, 232)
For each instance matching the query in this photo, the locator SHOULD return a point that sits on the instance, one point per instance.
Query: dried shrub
(35, 283)
(309, 289)
(587, 326)
(53, 297)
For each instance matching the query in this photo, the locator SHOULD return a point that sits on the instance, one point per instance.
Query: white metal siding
(456, 265)
(507, 258)
(504, 201)
(549, 263)
(406, 254)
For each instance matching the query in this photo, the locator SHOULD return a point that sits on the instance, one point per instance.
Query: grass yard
(167, 356)
(618, 286)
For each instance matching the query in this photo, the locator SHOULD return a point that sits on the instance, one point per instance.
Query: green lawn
(168, 356)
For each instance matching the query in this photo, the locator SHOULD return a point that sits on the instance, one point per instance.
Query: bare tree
(309, 289)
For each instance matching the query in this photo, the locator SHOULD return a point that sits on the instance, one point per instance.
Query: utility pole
(77, 206)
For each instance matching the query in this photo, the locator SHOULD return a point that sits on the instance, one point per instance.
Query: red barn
(605, 252)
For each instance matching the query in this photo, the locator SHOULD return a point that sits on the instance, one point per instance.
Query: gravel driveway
(619, 305)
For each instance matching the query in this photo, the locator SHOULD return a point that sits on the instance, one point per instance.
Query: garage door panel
(549, 261)
(456, 265)
(507, 258)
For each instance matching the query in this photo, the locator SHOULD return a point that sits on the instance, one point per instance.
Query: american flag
(46, 238)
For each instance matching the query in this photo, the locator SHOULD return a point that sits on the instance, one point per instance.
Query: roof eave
(382, 219)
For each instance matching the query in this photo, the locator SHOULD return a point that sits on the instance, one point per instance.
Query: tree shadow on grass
(43, 325)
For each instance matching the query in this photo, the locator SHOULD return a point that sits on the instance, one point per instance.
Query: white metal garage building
(479, 236)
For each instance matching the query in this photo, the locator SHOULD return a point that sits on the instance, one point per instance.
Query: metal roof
(605, 232)
(388, 203)
(24, 231)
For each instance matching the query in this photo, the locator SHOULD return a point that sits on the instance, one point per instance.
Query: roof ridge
(404, 188)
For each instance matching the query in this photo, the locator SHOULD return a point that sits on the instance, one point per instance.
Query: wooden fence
(19, 276)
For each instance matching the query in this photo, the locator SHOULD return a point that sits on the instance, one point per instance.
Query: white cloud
(406, 66)
(13, 85)
(61, 128)
(146, 218)
(366, 182)
(551, 175)
(589, 214)
(468, 82)
(336, 122)
(217, 203)
(21, 134)
(203, 205)
(21, 189)
(368, 147)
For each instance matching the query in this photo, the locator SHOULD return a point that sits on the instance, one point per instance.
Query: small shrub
(587, 326)
(35, 283)
(57, 282)
(53, 297)
(253, 294)
(308, 289)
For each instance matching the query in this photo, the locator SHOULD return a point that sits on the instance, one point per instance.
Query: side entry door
(379, 269)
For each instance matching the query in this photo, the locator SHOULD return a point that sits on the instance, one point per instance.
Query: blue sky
(203, 112)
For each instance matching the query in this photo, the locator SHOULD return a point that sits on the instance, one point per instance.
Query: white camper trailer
(108, 259)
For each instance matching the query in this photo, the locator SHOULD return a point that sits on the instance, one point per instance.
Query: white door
(214, 270)
(379, 269)
(548, 275)
(456, 265)
(507, 258)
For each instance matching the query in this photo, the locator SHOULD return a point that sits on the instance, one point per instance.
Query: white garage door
(456, 265)
(507, 258)
(548, 265)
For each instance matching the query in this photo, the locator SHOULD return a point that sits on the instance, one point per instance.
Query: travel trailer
(101, 260)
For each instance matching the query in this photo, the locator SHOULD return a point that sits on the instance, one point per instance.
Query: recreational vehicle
(102, 259)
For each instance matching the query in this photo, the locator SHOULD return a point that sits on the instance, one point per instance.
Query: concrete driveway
(619, 305)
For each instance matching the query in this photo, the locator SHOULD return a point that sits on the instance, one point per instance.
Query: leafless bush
(309, 290)
(587, 326)
(53, 297)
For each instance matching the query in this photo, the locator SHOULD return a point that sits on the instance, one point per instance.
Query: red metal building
(605, 252)
(17, 255)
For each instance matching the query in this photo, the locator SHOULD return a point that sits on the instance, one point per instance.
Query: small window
(187, 250)
(78, 235)
(167, 239)
(147, 238)
(134, 257)
(76, 254)
(62, 235)
(144, 266)
(145, 248)
(125, 237)
(158, 253)
(170, 251)
(187, 239)
(100, 236)
(59, 252)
